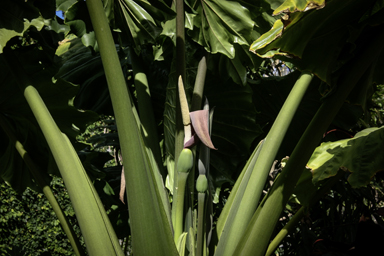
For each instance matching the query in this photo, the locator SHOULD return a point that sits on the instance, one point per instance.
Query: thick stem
(148, 127)
(242, 215)
(148, 219)
(179, 205)
(145, 110)
(180, 40)
(180, 71)
(200, 224)
(198, 89)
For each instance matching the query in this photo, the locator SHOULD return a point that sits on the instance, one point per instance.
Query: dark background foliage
(28, 225)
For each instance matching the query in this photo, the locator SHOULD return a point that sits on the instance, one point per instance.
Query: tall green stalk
(180, 71)
(256, 238)
(147, 125)
(179, 205)
(202, 183)
(202, 189)
(242, 214)
(184, 166)
(198, 89)
(201, 238)
(145, 109)
(148, 220)
(67, 227)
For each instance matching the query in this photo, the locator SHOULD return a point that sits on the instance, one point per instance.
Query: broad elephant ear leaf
(64, 5)
(218, 25)
(362, 156)
(40, 68)
(85, 69)
(236, 68)
(321, 41)
(17, 16)
(290, 6)
(227, 28)
(77, 18)
(275, 3)
(141, 20)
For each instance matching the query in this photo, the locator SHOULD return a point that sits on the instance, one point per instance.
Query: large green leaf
(237, 68)
(17, 16)
(275, 3)
(141, 21)
(361, 155)
(218, 25)
(145, 196)
(64, 5)
(227, 28)
(314, 40)
(77, 18)
(291, 6)
(84, 68)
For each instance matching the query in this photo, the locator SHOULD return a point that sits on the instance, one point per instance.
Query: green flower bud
(185, 162)
(202, 183)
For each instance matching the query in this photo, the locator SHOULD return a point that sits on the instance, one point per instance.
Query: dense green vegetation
(28, 225)
(112, 100)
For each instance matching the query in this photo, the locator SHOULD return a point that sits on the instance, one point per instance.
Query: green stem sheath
(243, 214)
(148, 218)
(237, 191)
(180, 71)
(198, 89)
(200, 224)
(145, 109)
(179, 205)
